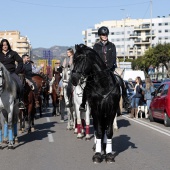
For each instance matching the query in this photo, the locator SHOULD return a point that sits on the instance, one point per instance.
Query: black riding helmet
(103, 31)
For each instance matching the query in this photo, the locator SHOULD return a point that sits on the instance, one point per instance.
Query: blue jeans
(148, 102)
(135, 102)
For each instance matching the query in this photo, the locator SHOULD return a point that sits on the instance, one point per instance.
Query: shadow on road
(40, 133)
(122, 143)
(123, 123)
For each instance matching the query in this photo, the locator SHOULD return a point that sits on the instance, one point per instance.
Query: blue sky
(60, 22)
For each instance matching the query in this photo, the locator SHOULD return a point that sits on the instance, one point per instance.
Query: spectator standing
(137, 97)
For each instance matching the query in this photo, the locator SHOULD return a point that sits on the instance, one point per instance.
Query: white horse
(8, 107)
(81, 117)
(67, 90)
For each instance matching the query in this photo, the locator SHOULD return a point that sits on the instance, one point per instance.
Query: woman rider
(8, 57)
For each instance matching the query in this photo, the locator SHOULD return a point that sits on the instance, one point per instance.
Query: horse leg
(62, 108)
(57, 108)
(1, 135)
(115, 127)
(87, 123)
(40, 108)
(30, 108)
(97, 158)
(109, 134)
(5, 140)
(32, 119)
(68, 117)
(79, 134)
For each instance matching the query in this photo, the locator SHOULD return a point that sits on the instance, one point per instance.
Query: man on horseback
(107, 51)
(67, 64)
(28, 75)
(55, 70)
(8, 57)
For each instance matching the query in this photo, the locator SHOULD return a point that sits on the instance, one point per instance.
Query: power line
(146, 11)
(58, 6)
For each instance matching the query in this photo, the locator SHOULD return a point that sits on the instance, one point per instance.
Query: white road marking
(149, 126)
(48, 119)
(50, 137)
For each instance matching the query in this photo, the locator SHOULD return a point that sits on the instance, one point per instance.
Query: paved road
(51, 147)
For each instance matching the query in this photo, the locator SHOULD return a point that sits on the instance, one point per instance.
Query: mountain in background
(58, 52)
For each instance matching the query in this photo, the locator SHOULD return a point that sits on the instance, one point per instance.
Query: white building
(133, 38)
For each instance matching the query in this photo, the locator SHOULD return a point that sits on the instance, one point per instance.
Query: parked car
(160, 105)
(156, 84)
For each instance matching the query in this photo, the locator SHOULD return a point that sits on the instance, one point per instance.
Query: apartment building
(18, 43)
(132, 37)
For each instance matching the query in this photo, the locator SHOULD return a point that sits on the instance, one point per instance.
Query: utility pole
(124, 34)
(151, 20)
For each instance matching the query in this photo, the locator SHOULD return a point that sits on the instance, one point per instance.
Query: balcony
(149, 35)
(134, 35)
(142, 28)
(141, 42)
(23, 45)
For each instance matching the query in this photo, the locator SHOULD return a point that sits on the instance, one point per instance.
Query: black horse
(103, 94)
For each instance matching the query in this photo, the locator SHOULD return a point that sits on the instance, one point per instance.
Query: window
(159, 91)
(166, 30)
(160, 38)
(166, 23)
(165, 90)
(152, 24)
(89, 34)
(160, 24)
(112, 33)
(89, 41)
(159, 31)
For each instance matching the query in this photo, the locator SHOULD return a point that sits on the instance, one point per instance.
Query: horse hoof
(1, 147)
(79, 137)
(20, 132)
(97, 158)
(87, 138)
(32, 129)
(109, 158)
(115, 130)
(10, 147)
(5, 141)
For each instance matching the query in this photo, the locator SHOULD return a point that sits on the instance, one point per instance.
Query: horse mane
(9, 84)
(87, 50)
(34, 74)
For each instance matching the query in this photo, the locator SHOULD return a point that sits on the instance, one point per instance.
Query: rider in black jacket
(8, 58)
(28, 75)
(107, 51)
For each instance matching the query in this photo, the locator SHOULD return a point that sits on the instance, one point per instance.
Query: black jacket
(107, 52)
(8, 60)
(138, 92)
(28, 70)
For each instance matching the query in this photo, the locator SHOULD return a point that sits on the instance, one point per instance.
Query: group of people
(9, 58)
(141, 94)
(106, 50)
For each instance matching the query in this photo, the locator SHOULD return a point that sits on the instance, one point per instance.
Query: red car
(160, 105)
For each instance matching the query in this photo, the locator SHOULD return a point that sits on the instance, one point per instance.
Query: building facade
(18, 43)
(132, 37)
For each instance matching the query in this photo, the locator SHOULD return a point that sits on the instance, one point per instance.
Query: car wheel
(166, 120)
(150, 116)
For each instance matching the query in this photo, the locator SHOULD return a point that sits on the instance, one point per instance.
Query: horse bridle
(2, 82)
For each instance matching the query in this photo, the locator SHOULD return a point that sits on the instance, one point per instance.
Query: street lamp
(124, 33)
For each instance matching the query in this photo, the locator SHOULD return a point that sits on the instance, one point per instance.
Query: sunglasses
(57, 63)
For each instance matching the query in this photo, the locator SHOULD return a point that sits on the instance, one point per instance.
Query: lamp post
(124, 34)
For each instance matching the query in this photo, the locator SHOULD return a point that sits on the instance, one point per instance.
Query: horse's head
(82, 63)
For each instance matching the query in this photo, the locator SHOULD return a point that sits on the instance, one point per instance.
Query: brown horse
(56, 93)
(41, 84)
(29, 112)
